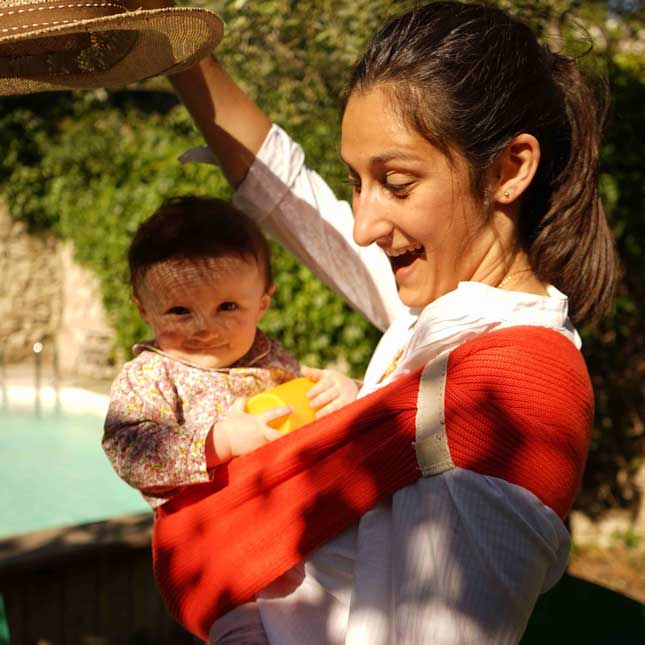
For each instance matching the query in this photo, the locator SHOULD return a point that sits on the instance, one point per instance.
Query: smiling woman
(416, 204)
(472, 150)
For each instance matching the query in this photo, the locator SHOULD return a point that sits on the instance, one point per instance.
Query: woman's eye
(228, 306)
(178, 311)
(397, 189)
(354, 183)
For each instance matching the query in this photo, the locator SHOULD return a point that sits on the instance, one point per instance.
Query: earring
(506, 193)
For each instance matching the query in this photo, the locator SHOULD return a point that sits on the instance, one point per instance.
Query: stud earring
(506, 193)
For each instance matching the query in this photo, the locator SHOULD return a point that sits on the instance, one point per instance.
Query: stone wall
(46, 297)
(30, 292)
(85, 339)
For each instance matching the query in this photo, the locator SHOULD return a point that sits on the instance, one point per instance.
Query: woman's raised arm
(286, 198)
(233, 126)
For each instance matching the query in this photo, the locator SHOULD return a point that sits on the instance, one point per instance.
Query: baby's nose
(205, 326)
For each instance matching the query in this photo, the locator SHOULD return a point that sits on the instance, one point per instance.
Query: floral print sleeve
(147, 439)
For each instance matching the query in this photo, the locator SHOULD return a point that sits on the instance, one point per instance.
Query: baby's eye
(228, 306)
(177, 311)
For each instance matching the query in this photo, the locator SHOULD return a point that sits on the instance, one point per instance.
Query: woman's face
(412, 201)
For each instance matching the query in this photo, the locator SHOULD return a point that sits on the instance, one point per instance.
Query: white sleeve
(458, 558)
(468, 556)
(299, 210)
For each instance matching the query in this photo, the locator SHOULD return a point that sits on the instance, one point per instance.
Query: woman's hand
(239, 432)
(332, 391)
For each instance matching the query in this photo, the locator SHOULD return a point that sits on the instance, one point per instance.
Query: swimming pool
(54, 471)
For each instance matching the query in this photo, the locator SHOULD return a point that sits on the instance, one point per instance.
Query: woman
(472, 152)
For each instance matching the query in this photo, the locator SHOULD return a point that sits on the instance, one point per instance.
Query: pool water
(55, 473)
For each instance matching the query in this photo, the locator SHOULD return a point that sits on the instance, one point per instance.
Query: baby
(201, 279)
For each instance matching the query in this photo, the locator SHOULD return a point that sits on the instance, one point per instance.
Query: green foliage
(92, 165)
(91, 171)
(629, 539)
(614, 351)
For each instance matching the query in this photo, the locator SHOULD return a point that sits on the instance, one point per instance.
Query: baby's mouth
(400, 258)
(205, 347)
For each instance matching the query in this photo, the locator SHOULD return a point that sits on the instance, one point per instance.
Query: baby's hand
(332, 391)
(239, 432)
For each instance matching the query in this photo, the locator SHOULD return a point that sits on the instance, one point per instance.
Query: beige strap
(433, 454)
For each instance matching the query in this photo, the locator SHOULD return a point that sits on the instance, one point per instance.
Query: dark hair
(470, 77)
(196, 228)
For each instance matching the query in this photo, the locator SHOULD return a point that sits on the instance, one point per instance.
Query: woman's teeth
(400, 258)
(395, 253)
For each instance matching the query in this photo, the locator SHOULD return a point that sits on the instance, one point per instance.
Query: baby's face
(204, 312)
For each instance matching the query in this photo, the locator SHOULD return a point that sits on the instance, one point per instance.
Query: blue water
(54, 473)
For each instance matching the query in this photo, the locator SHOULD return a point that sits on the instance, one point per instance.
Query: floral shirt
(162, 409)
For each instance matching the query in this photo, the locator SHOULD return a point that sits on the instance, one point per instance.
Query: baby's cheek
(170, 334)
(177, 327)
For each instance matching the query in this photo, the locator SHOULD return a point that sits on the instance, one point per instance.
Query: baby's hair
(196, 228)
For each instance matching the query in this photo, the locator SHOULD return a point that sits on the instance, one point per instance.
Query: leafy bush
(92, 166)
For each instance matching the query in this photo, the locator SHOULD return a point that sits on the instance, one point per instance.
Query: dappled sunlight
(281, 502)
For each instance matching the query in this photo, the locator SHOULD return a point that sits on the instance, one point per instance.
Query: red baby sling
(516, 404)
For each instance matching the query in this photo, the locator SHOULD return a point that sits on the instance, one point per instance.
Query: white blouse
(454, 558)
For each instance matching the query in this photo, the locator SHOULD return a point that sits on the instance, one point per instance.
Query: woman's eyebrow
(385, 157)
(395, 155)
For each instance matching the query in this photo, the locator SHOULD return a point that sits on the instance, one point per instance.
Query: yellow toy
(292, 393)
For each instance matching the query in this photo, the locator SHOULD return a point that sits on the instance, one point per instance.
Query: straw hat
(68, 44)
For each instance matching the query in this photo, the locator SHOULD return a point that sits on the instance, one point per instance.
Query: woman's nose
(370, 223)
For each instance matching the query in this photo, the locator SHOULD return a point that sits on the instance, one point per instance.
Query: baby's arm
(332, 391)
(154, 448)
(147, 442)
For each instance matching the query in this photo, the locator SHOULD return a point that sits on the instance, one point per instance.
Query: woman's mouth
(400, 258)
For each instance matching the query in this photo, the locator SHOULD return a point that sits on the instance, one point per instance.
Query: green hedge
(92, 166)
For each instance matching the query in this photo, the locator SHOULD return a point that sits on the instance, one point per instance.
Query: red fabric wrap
(518, 405)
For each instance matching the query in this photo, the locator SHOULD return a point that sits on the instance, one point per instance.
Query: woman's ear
(515, 168)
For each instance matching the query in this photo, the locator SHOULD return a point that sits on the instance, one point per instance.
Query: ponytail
(572, 246)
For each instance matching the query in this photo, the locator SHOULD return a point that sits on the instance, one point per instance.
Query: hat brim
(164, 41)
